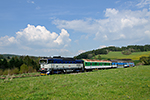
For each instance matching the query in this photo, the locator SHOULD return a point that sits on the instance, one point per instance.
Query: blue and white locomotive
(60, 65)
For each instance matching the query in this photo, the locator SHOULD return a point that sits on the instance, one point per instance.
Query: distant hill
(121, 51)
(13, 55)
(9, 55)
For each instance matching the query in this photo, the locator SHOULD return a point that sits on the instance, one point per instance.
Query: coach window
(91, 64)
(95, 63)
(85, 63)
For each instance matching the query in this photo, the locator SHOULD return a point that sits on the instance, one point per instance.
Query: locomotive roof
(64, 59)
(91, 60)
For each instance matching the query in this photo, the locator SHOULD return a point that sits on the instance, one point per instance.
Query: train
(60, 64)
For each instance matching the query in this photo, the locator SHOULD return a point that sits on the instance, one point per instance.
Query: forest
(18, 64)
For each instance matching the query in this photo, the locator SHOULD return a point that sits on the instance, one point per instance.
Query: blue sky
(70, 27)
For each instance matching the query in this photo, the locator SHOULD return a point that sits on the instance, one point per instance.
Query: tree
(27, 60)
(8, 57)
(90, 56)
(1, 56)
(3, 64)
(12, 62)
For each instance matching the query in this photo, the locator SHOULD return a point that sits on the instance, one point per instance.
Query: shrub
(15, 71)
(6, 72)
(1, 72)
(145, 60)
(23, 68)
(30, 69)
(126, 52)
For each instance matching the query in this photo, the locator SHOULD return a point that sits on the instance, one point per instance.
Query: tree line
(125, 50)
(16, 65)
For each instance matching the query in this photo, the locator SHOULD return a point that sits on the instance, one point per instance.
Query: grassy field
(119, 55)
(121, 84)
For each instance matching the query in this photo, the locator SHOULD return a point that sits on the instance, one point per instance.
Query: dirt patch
(19, 76)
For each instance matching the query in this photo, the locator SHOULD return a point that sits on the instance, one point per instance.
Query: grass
(119, 55)
(128, 83)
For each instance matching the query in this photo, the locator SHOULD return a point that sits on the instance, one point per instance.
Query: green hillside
(125, 50)
(113, 84)
(119, 55)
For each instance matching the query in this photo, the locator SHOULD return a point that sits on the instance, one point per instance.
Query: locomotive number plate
(78, 65)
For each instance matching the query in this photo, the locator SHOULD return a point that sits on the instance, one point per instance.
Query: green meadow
(119, 84)
(119, 55)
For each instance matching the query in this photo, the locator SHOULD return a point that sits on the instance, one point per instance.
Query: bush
(1, 72)
(145, 60)
(30, 69)
(126, 52)
(15, 71)
(6, 72)
(23, 68)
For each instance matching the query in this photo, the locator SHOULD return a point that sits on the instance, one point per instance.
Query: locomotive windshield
(43, 61)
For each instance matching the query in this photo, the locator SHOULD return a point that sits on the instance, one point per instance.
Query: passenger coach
(90, 64)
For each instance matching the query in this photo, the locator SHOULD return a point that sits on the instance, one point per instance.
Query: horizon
(75, 55)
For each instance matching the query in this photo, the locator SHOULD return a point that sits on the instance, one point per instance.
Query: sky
(71, 27)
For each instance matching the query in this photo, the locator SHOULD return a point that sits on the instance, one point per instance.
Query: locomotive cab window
(50, 61)
(43, 61)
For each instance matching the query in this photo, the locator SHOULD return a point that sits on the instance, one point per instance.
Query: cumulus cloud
(63, 37)
(6, 41)
(40, 36)
(36, 37)
(117, 25)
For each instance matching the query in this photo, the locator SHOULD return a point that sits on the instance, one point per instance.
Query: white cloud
(121, 25)
(147, 32)
(38, 7)
(77, 25)
(102, 46)
(80, 51)
(38, 37)
(143, 3)
(109, 12)
(6, 41)
(105, 37)
(29, 1)
(63, 37)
